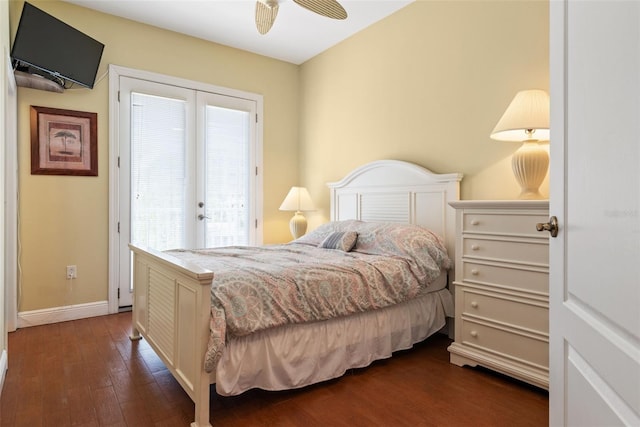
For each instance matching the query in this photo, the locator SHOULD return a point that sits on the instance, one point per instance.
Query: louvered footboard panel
(161, 312)
(188, 339)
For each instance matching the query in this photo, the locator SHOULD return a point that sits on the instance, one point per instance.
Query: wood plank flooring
(88, 373)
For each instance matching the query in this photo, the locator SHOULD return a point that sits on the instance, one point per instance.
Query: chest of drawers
(502, 288)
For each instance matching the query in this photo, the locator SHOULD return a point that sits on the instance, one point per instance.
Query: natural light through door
(158, 172)
(226, 171)
(188, 170)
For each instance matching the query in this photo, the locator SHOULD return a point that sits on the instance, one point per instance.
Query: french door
(188, 162)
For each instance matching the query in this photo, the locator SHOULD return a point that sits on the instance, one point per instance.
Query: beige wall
(64, 220)
(426, 85)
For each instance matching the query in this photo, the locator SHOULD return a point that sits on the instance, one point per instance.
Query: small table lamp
(527, 120)
(297, 200)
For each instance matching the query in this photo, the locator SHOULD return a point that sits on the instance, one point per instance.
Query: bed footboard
(171, 310)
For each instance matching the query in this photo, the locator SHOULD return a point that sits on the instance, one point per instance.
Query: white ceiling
(296, 36)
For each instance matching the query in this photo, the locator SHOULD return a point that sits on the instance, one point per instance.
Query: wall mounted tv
(62, 52)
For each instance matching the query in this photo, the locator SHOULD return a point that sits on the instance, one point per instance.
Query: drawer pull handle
(474, 272)
(474, 334)
(475, 247)
(474, 304)
(475, 222)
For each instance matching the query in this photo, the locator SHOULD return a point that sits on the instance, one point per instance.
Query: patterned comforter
(256, 288)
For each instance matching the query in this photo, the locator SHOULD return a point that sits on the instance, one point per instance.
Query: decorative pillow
(342, 240)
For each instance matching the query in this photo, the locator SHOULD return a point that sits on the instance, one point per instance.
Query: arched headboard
(401, 192)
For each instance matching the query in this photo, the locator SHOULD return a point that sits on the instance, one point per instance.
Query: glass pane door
(158, 172)
(227, 170)
(187, 173)
(226, 175)
(187, 170)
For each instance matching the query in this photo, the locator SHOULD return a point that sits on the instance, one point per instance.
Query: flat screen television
(48, 44)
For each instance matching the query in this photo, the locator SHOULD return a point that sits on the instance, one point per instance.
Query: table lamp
(297, 200)
(526, 120)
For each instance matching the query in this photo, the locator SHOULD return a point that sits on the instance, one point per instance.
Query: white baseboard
(62, 314)
(3, 368)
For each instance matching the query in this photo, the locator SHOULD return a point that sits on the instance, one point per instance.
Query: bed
(199, 337)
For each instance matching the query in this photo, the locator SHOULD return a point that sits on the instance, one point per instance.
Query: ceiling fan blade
(329, 8)
(265, 16)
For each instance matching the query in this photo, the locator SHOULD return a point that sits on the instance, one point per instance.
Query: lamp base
(530, 164)
(530, 195)
(298, 225)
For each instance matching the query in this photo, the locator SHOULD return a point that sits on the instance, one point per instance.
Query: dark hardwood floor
(87, 373)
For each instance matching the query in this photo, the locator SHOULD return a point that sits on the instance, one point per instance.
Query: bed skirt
(295, 356)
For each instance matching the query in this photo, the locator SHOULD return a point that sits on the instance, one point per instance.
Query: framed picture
(63, 142)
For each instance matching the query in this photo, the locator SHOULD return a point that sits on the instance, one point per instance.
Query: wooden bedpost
(202, 312)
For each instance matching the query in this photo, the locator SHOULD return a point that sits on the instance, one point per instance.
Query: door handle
(202, 217)
(551, 226)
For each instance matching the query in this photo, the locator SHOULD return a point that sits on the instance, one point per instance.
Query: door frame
(557, 207)
(10, 176)
(115, 72)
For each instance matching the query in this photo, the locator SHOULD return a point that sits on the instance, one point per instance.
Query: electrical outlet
(72, 272)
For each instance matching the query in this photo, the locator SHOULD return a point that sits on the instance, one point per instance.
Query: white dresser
(502, 288)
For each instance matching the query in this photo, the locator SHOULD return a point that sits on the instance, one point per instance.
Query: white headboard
(397, 191)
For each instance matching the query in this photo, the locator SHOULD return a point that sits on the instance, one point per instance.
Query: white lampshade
(297, 200)
(527, 120)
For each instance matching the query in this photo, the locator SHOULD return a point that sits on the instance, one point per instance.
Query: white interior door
(595, 193)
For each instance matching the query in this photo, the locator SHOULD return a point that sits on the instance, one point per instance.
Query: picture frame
(63, 142)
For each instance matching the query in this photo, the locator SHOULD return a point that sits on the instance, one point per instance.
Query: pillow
(342, 240)
(424, 248)
(317, 236)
